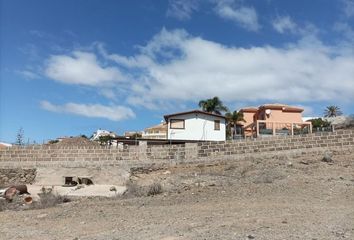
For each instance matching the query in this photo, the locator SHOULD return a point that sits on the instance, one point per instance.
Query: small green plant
(53, 141)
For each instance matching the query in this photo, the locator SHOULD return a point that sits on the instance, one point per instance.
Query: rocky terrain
(304, 198)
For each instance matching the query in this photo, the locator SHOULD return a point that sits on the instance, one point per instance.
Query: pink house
(273, 119)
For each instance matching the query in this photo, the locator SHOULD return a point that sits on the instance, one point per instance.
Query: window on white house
(177, 124)
(216, 124)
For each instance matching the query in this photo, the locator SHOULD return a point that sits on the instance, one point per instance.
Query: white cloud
(284, 24)
(114, 113)
(246, 17)
(108, 93)
(182, 9)
(175, 66)
(348, 7)
(28, 74)
(232, 10)
(81, 68)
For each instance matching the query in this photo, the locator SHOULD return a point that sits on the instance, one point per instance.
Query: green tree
(319, 123)
(332, 111)
(232, 120)
(136, 136)
(105, 140)
(213, 105)
(20, 137)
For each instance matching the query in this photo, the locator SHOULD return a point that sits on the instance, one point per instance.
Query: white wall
(198, 127)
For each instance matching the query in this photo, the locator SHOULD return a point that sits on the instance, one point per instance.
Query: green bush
(319, 123)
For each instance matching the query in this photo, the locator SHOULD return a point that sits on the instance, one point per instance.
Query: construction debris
(12, 191)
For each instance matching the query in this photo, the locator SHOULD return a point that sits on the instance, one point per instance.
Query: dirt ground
(301, 198)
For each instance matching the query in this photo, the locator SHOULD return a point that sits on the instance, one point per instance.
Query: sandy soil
(278, 199)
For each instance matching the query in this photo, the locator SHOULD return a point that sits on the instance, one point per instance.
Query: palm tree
(213, 105)
(332, 111)
(232, 120)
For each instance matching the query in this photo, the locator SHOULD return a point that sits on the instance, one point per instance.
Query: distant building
(102, 133)
(133, 134)
(273, 119)
(4, 145)
(196, 125)
(155, 132)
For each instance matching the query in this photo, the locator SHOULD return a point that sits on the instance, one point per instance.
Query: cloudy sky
(71, 67)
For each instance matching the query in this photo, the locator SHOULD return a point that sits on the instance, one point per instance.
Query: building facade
(273, 119)
(155, 132)
(196, 125)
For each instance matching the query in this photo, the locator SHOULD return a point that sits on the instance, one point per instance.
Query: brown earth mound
(76, 141)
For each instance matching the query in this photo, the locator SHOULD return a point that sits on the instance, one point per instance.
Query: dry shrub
(135, 190)
(2, 205)
(49, 199)
(267, 176)
(154, 189)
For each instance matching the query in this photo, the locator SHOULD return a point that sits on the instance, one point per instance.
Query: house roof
(161, 126)
(285, 108)
(192, 111)
(249, 109)
(3, 145)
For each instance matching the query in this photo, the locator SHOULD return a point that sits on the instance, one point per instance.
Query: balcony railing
(268, 128)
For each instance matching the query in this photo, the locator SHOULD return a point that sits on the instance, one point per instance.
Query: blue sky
(71, 67)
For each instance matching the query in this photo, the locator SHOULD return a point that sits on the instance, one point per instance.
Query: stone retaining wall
(16, 176)
(113, 164)
(47, 155)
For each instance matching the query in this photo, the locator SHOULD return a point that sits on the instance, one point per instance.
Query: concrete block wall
(129, 156)
(339, 139)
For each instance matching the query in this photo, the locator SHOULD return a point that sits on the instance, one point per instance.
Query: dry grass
(135, 190)
(49, 199)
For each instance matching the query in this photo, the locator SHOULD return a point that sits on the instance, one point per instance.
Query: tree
(20, 137)
(232, 120)
(213, 105)
(332, 111)
(319, 123)
(136, 136)
(105, 140)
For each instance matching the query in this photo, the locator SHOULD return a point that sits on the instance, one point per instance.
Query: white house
(102, 133)
(196, 125)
